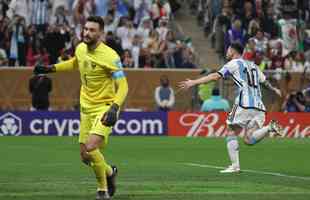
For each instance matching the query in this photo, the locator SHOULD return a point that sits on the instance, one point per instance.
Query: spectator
(142, 11)
(294, 62)
(249, 13)
(235, 34)
(40, 86)
(178, 54)
(277, 60)
(64, 55)
(19, 8)
(120, 8)
(261, 42)
(221, 25)
(127, 59)
(39, 14)
(164, 95)
(261, 60)
(135, 50)
(111, 22)
(170, 47)
(297, 102)
(37, 55)
(4, 6)
(268, 24)
(162, 29)
(126, 33)
(54, 41)
(112, 42)
(82, 9)
(61, 34)
(289, 35)
(216, 7)
(3, 30)
(160, 8)
(215, 103)
(153, 42)
(101, 7)
(253, 28)
(18, 44)
(250, 51)
(3, 57)
(144, 30)
(61, 17)
(188, 59)
(145, 60)
(32, 38)
(63, 4)
(175, 6)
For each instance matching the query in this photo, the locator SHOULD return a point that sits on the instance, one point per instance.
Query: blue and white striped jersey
(39, 12)
(247, 76)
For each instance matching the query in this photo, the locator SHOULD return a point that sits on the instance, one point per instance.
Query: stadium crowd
(48, 31)
(275, 34)
(272, 31)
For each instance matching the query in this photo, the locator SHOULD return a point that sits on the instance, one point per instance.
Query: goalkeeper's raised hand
(43, 69)
(110, 117)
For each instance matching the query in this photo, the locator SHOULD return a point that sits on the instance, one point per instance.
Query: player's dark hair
(96, 19)
(238, 47)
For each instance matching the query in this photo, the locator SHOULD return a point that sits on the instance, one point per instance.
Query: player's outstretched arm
(67, 65)
(188, 83)
(267, 85)
(43, 69)
(63, 66)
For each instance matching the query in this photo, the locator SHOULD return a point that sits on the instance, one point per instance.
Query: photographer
(304, 104)
(297, 102)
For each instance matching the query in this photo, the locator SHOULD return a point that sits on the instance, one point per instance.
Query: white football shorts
(246, 118)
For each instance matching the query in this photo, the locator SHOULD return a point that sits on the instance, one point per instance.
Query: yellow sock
(99, 157)
(108, 169)
(100, 168)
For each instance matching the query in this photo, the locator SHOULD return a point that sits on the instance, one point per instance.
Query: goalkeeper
(103, 90)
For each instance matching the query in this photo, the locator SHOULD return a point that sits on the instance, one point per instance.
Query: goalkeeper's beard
(91, 43)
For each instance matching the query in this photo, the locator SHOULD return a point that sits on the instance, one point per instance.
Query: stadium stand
(44, 30)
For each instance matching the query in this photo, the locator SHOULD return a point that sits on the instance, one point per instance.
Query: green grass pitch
(155, 168)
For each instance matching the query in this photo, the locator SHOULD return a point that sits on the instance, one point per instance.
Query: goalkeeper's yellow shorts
(91, 124)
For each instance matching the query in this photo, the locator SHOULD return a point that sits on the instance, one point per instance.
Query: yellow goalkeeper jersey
(99, 69)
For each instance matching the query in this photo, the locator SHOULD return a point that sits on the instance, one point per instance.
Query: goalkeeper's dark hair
(96, 19)
(237, 47)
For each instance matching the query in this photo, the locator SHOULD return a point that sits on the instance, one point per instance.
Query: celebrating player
(100, 71)
(248, 111)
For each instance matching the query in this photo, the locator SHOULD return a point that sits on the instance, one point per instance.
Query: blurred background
(174, 38)
(160, 42)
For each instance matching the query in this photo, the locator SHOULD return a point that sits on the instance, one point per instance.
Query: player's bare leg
(233, 150)
(85, 158)
(256, 134)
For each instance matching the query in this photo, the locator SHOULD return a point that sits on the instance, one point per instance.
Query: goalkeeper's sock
(259, 134)
(100, 168)
(108, 169)
(233, 150)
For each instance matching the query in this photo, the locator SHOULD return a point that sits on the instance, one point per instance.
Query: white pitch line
(250, 171)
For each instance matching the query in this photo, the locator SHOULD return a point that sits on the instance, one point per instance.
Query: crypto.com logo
(10, 124)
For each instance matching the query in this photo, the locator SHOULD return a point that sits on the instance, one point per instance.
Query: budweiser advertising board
(296, 125)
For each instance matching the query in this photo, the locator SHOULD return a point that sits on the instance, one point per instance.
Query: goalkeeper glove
(42, 69)
(110, 117)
